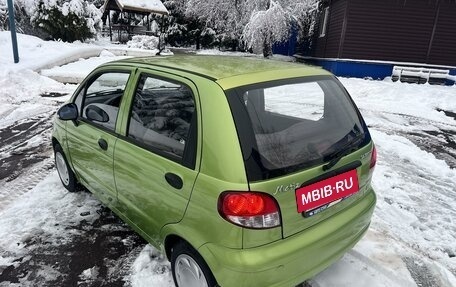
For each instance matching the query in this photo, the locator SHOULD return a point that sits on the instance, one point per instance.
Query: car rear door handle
(103, 144)
(174, 180)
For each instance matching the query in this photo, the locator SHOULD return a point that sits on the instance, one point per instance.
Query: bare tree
(273, 24)
(258, 23)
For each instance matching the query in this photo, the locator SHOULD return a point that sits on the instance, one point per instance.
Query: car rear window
(289, 125)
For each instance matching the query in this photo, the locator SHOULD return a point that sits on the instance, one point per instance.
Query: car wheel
(65, 172)
(189, 268)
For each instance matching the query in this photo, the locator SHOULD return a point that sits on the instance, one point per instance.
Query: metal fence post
(12, 25)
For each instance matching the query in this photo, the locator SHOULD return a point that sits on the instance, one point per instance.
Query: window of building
(324, 22)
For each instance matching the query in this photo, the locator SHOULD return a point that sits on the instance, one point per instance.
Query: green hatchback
(243, 171)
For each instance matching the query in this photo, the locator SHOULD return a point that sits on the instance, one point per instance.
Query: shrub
(143, 42)
(68, 21)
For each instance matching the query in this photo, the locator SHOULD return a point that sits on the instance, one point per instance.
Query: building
(130, 12)
(366, 38)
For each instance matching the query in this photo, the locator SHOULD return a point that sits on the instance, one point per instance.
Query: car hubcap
(62, 168)
(188, 272)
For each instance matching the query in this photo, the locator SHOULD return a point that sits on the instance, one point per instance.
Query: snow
(75, 72)
(80, 8)
(382, 100)
(400, 71)
(21, 85)
(46, 209)
(149, 5)
(36, 54)
(20, 95)
(223, 53)
(243, 54)
(413, 179)
(89, 274)
(342, 274)
(255, 22)
(144, 42)
(151, 266)
(412, 237)
(271, 25)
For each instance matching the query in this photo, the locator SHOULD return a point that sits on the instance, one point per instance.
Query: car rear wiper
(346, 149)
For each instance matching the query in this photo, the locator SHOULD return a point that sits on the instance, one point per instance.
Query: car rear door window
(286, 126)
(102, 99)
(162, 114)
(286, 100)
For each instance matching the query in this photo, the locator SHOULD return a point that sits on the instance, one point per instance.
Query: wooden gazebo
(129, 8)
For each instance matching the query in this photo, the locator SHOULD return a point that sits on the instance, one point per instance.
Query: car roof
(228, 71)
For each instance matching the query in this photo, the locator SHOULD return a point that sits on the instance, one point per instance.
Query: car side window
(78, 100)
(161, 116)
(102, 98)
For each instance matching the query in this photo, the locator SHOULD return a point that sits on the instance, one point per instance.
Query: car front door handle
(174, 180)
(103, 144)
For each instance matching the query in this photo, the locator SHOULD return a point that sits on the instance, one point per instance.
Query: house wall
(328, 46)
(443, 46)
(420, 31)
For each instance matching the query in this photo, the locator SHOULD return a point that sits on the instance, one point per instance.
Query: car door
(91, 139)
(154, 163)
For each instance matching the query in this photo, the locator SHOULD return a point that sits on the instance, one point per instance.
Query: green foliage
(185, 30)
(23, 24)
(209, 38)
(3, 18)
(68, 28)
(182, 30)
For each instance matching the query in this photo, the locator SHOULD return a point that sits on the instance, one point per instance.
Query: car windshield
(294, 124)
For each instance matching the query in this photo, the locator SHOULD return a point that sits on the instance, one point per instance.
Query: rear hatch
(305, 143)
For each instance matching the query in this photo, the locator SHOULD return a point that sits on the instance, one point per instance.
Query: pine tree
(183, 29)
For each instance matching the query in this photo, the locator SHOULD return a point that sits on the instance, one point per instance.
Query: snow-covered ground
(75, 72)
(49, 237)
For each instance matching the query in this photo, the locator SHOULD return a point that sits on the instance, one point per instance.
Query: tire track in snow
(436, 137)
(355, 269)
(97, 252)
(25, 156)
(420, 272)
(424, 197)
(409, 180)
(411, 118)
(24, 182)
(380, 270)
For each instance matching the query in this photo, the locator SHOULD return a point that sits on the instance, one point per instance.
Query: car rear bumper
(290, 261)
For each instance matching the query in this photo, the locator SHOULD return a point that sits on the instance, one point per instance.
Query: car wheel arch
(55, 142)
(170, 241)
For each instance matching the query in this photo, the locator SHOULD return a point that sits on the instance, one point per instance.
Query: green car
(243, 171)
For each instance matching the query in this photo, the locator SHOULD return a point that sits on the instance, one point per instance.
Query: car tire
(65, 172)
(188, 267)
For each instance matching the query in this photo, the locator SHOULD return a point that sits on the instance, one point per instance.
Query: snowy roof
(148, 6)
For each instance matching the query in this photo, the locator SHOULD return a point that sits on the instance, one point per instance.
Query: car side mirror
(95, 113)
(68, 112)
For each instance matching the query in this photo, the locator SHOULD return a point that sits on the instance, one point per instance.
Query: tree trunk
(198, 41)
(234, 45)
(267, 47)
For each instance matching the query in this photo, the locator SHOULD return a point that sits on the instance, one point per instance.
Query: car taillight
(373, 158)
(249, 209)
